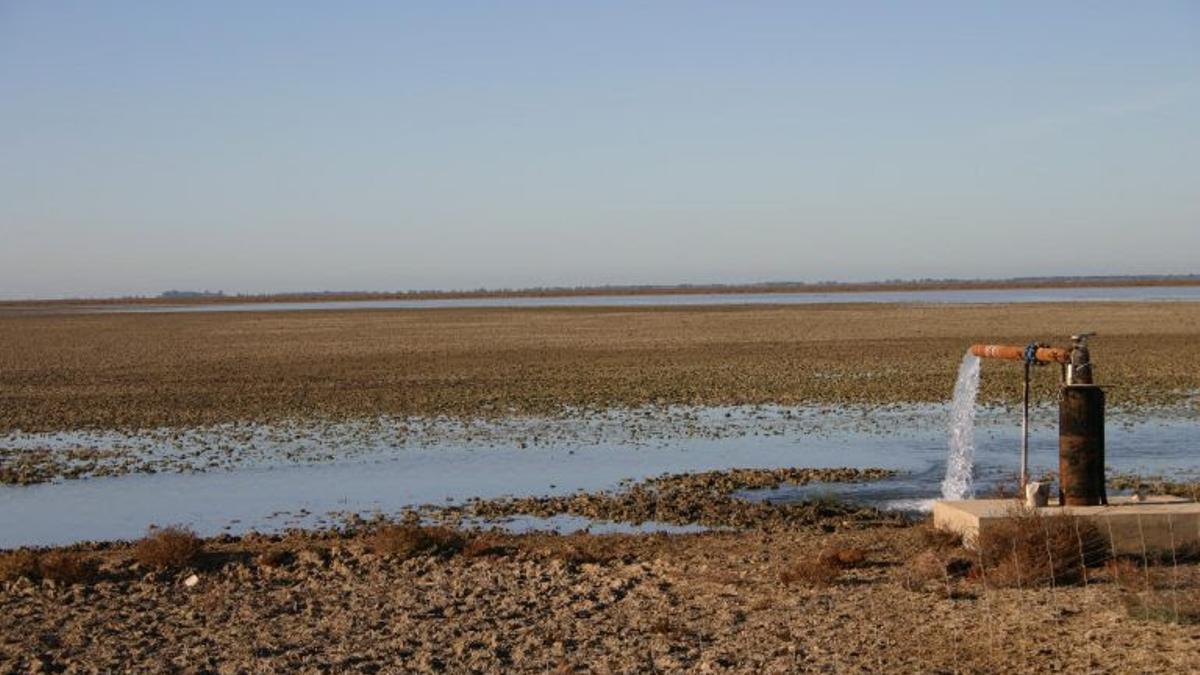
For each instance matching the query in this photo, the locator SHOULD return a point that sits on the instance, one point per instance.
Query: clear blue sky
(258, 146)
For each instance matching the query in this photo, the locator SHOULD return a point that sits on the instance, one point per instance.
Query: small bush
(813, 573)
(64, 567)
(67, 567)
(19, 564)
(938, 539)
(933, 567)
(486, 546)
(407, 541)
(173, 547)
(1125, 573)
(842, 558)
(1030, 549)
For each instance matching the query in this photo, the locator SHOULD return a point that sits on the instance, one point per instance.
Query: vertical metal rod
(1025, 433)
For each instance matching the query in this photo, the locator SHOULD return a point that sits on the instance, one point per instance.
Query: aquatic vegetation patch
(705, 498)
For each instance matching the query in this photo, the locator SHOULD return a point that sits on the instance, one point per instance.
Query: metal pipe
(1017, 353)
(1025, 433)
(1081, 446)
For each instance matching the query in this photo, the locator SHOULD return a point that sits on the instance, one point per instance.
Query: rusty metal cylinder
(1081, 446)
(1017, 353)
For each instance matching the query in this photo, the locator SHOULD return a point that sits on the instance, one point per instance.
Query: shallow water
(988, 296)
(274, 493)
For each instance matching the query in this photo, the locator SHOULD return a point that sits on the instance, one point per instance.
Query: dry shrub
(842, 557)
(63, 567)
(1027, 548)
(1125, 573)
(173, 547)
(938, 539)
(812, 573)
(408, 541)
(22, 564)
(934, 568)
(67, 567)
(486, 546)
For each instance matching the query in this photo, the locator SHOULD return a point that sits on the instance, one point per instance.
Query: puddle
(440, 462)
(567, 523)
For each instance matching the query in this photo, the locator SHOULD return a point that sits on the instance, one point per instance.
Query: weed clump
(19, 564)
(934, 566)
(815, 573)
(486, 547)
(938, 539)
(1029, 549)
(408, 541)
(842, 558)
(67, 567)
(63, 567)
(173, 547)
(1125, 574)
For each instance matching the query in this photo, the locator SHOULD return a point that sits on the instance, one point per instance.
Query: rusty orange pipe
(1016, 353)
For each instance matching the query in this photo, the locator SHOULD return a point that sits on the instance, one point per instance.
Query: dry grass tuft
(173, 547)
(816, 573)
(63, 567)
(1028, 549)
(938, 539)
(486, 546)
(67, 567)
(408, 541)
(1125, 574)
(842, 557)
(22, 564)
(934, 568)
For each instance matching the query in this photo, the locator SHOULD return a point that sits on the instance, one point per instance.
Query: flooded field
(147, 371)
(319, 476)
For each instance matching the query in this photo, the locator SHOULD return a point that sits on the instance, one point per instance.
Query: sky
(287, 146)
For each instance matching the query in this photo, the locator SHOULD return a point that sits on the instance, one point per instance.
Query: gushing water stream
(960, 464)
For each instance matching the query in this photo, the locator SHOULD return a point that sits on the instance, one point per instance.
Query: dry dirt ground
(69, 371)
(712, 602)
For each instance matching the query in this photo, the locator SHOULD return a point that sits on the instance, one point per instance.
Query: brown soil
(537, 603)
(131, 371)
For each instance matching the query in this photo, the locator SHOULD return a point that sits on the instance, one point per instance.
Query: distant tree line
(192, 294)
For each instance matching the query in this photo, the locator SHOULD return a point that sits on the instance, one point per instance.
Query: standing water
(960, 464)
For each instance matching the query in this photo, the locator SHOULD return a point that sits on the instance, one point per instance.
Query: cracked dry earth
(711, 602)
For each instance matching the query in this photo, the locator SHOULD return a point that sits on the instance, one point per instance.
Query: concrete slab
(1157, 524)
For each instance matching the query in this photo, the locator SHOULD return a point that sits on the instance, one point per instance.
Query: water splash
(960, 464)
